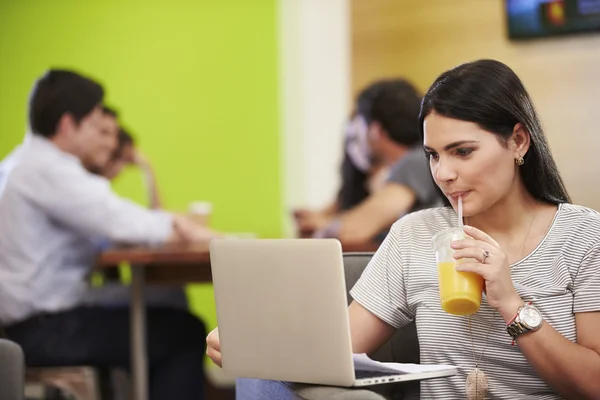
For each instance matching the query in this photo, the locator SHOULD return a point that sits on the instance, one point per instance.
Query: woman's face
(123, 157)
(357, 143)
(467, 161)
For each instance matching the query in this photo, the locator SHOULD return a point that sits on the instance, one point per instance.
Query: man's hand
(311, 221)
(190, 231)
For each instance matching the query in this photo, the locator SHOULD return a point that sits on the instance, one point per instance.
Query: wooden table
(167, 264)
(181, 263)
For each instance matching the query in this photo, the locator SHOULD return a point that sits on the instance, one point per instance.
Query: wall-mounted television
(538, 18)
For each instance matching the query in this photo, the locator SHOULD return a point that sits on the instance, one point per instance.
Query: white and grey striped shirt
(561, 277)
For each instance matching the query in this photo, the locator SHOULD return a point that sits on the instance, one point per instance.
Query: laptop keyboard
(360, 374)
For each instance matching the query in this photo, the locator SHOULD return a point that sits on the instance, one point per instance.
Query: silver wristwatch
(528, 319)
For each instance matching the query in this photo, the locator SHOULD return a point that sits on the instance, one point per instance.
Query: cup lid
(200, 207)
(453, 232)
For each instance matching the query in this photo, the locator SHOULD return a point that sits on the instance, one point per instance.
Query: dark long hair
(490, 94)
(353, 189)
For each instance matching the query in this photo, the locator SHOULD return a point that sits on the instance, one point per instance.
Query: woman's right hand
(213, 347)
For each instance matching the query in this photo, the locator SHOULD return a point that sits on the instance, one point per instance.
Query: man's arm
(409, 181)
(309, 222)
(186, 230)
(378, 212)
(86, 203)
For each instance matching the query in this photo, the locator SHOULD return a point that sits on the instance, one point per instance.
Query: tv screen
(537, 18)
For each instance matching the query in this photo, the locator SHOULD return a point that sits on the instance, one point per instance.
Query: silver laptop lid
(282, 310)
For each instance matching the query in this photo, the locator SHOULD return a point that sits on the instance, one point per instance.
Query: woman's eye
(463, 152)
(431, 155)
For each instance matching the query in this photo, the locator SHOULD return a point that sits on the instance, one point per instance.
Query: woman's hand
(213, 347)
(492, 264)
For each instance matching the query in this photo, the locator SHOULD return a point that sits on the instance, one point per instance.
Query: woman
(127, 154)
(360, 177)
(384, 174)
(114, 294)
(485, 144)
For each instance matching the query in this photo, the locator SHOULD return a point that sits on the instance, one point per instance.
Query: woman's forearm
(151, 188)
(571, 369)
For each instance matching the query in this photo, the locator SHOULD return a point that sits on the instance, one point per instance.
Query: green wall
(195, 81)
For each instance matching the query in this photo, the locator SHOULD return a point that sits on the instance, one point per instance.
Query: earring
(520, 160)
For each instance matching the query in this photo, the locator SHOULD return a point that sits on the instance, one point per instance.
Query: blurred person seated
(54, 212)
(126, 154)
(384, 132)
(357, 183)
(111, 293)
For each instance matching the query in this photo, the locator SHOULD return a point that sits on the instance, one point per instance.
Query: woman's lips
(455, 195)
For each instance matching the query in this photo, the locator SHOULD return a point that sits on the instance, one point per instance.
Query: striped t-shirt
(561, 277)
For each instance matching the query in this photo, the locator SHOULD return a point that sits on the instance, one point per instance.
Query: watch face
(531, 317)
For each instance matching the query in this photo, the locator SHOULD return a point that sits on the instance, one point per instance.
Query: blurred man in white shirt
(53, 212)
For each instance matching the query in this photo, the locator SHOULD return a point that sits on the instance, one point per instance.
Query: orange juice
(460, 292)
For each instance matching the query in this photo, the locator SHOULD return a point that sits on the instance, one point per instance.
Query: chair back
(12, 371)
(403, 347)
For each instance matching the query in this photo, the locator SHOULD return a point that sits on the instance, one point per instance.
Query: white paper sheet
(363, 362)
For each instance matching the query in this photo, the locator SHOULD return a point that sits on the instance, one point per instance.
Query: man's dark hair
(110, 111)
(59, 92)
(395, 104)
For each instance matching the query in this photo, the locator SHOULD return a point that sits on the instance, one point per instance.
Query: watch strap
(514, 327)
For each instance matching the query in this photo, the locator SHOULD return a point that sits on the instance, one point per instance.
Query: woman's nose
(444, 171)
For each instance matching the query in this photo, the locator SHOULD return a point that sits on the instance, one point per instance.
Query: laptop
(283, 315)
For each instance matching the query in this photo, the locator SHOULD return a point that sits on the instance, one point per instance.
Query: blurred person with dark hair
(357, 183)
(112, 293)
(127, 154)
(384, 131)
(53, 211)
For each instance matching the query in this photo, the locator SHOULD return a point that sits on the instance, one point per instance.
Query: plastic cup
(460, 292)
(200, 211)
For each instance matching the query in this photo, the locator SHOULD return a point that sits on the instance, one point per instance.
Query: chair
(12, 371)
(79, 382)
(403, 347)
(82, 383)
